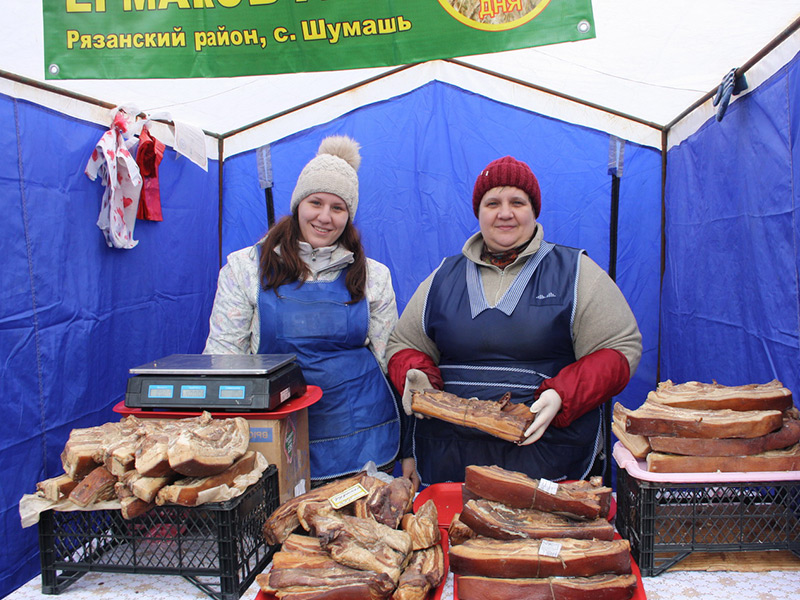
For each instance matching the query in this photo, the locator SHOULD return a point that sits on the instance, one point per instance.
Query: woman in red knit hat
(513, 313)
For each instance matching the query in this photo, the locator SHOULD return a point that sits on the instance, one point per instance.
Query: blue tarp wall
(730, 301)
(76, 315)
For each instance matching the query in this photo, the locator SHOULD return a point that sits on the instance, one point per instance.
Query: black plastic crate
(219, 547)
(665, 522)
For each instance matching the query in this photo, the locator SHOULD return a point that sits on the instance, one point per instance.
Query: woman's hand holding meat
(416, 380)
(409, 466)
(545, 409)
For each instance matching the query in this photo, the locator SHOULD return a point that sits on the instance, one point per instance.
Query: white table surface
(672, 585)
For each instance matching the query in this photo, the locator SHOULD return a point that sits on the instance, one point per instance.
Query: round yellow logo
(494, 15)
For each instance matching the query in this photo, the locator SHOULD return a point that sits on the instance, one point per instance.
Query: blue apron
(357, 419)
(512, 347)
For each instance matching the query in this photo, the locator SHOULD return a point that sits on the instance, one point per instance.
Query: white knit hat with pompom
(334, 170)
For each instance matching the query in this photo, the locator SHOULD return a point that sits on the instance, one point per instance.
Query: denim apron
(511, 347)
(356, 420)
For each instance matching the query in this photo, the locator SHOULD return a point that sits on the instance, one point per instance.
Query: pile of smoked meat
(148, 462)
(698, 427)
(515, 537)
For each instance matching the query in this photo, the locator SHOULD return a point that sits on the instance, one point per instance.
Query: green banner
(131, 39)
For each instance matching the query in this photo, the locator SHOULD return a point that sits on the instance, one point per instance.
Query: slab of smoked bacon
(607, 587)
(654, 419)
(523, 558)
(501, 522)
(503, 418)
(773, 460)
(578, 499)
(786, 436)
(713, 396)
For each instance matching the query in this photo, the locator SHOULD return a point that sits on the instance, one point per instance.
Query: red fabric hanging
(148, 156)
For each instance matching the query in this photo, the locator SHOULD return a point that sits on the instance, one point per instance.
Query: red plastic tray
(312, 395)
(447, 497)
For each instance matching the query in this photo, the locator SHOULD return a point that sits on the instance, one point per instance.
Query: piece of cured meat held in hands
(503, 419)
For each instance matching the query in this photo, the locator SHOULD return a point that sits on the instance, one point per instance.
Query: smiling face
(322, 218)
(506, 218)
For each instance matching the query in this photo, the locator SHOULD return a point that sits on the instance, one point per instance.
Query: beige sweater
(603, 318)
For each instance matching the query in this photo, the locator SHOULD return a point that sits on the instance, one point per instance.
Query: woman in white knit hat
(308, 289)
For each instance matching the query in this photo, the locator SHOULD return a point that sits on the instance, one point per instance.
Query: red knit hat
(507, 171)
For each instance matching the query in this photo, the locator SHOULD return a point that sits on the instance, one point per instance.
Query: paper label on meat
(347, 496)
(549, 548)
(547, 486)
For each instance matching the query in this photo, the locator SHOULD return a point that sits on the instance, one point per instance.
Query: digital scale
(216, 382)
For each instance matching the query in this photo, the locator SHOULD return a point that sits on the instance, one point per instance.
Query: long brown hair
(276, 270)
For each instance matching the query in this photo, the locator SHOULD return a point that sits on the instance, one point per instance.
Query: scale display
(214, 382)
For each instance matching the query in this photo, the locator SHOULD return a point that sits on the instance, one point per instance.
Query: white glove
(546, 408)
(416, 380)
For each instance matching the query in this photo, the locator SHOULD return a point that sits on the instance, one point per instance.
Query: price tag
(548, 487)
(549, 548)
(349, 495)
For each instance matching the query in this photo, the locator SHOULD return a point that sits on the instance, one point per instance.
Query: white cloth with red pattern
(120, 175)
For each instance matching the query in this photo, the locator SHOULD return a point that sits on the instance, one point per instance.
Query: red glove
(407, 359)
(587, 383)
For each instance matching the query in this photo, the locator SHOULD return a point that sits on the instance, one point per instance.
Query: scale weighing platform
(216, 382)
